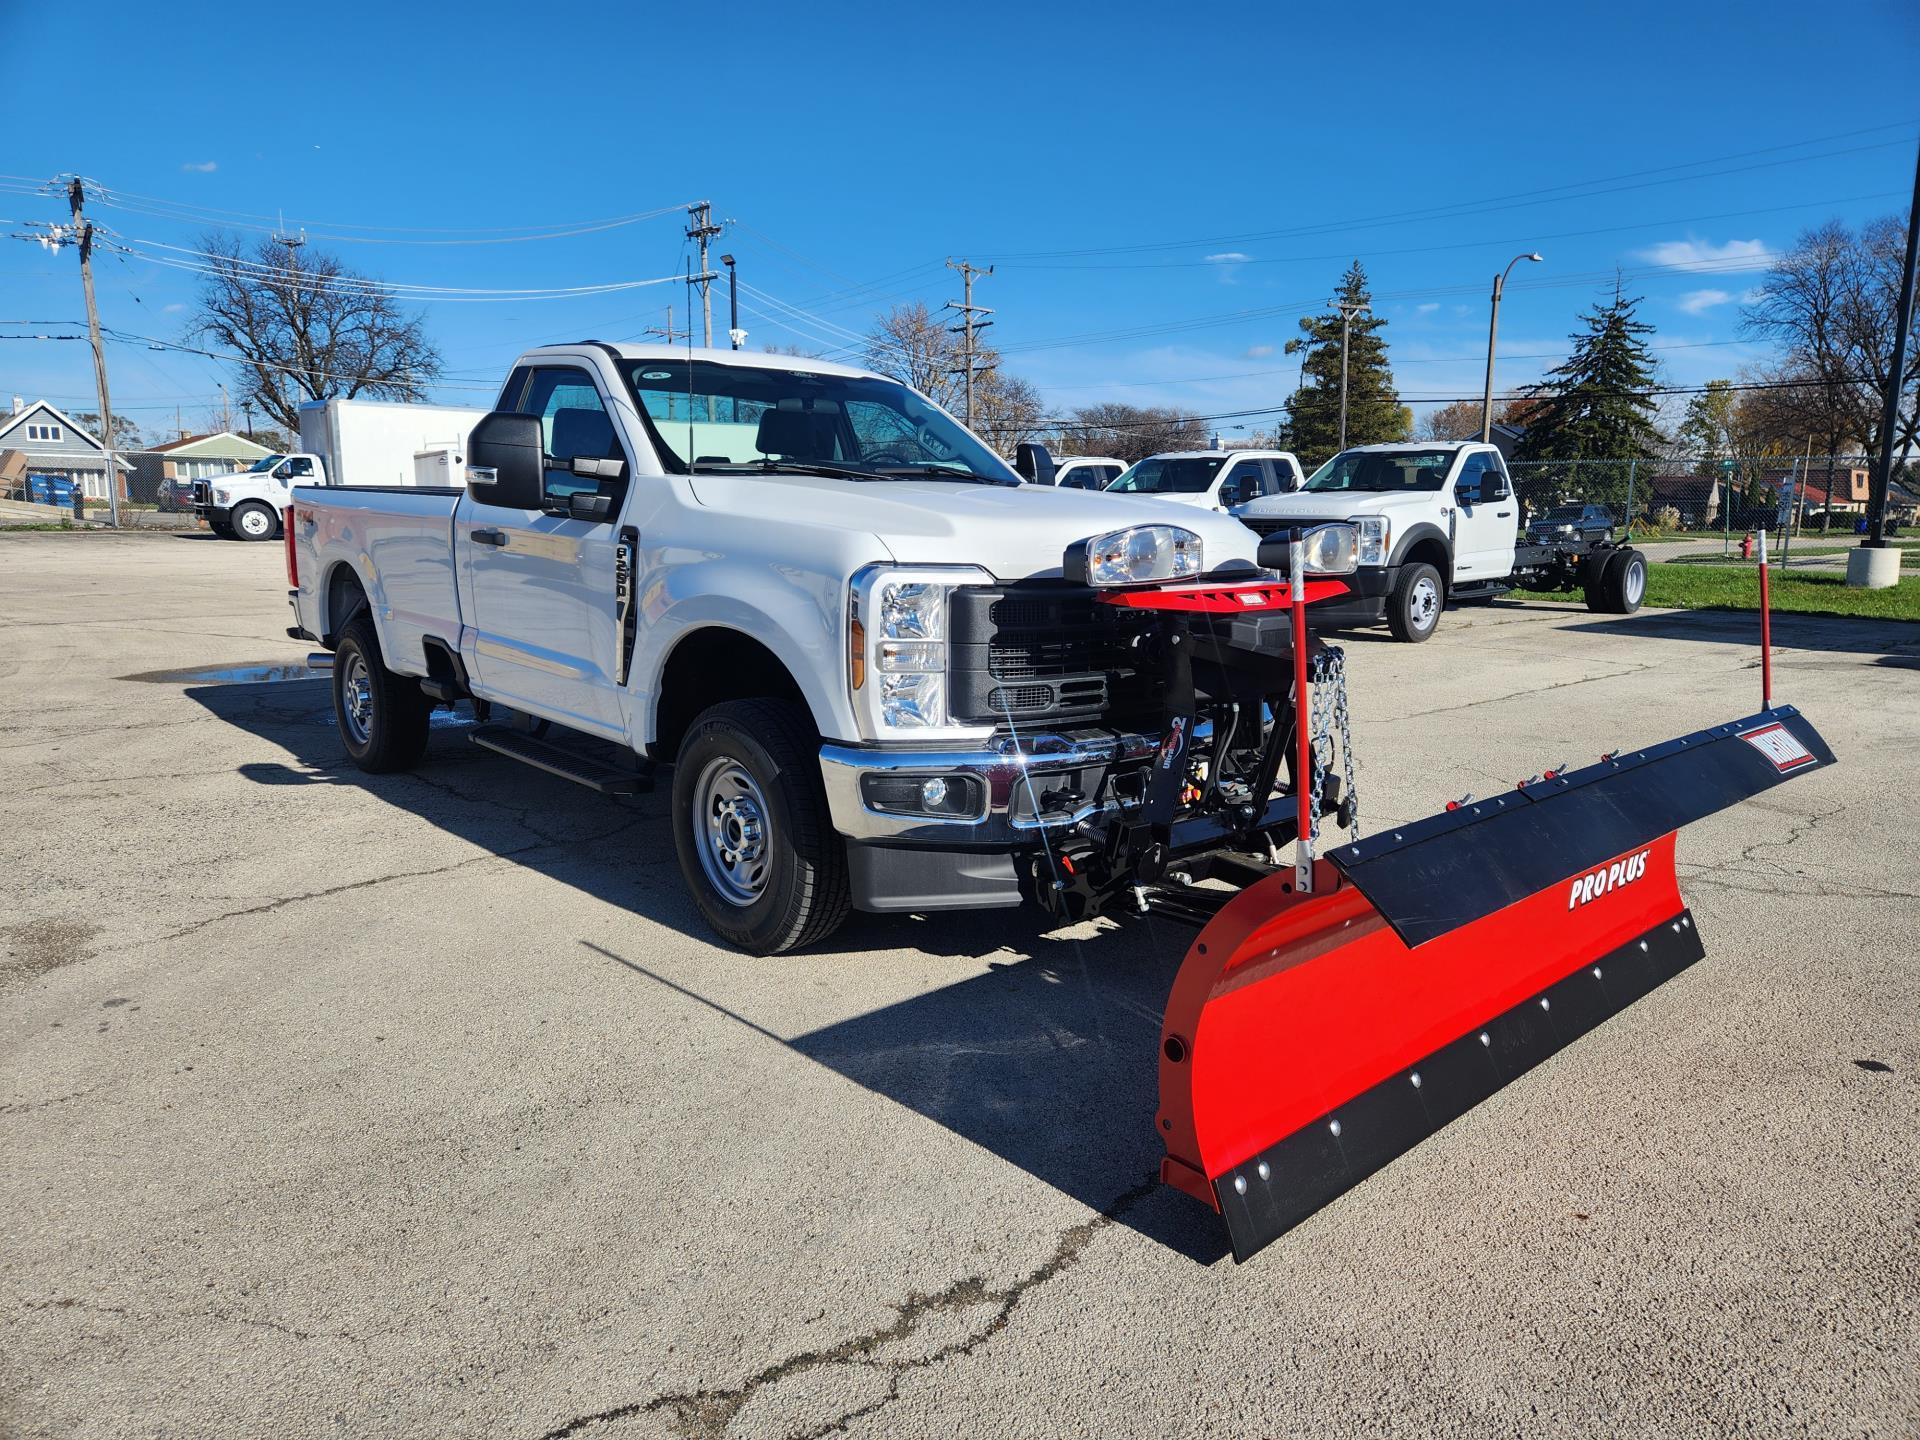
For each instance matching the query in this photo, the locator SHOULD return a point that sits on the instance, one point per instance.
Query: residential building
(55, 445)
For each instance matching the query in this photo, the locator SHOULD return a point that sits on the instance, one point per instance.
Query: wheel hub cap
(254, 523)
(1426, 603)
(731, 832)
(356, 694)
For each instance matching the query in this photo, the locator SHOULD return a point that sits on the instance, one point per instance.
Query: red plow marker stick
(1302, 728)
(1766, 632)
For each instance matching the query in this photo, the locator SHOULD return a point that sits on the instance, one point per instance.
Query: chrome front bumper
(1014, 778)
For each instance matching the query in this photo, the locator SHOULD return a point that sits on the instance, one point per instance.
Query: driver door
(538, 587)
(1483, 531)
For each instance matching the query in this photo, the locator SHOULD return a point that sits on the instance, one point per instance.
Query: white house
(55, 445)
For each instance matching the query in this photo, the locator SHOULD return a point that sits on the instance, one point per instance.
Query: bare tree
(1831, 303)
(306, 328)
(917, 347)
(1130, 432)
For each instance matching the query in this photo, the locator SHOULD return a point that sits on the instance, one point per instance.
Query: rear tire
(1625, 582)
(1413, 610)
(757, 849)
(382, 716)
(254, 521)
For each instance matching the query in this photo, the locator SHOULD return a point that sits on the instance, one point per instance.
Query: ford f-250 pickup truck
(1438, 522)
(887, 674)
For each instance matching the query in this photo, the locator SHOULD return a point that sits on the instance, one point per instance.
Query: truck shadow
(1048, 1059)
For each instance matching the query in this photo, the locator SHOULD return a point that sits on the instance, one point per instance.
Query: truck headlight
(897, 649)
(1331, 550)
(1139, 555)
(220, 497)
(1376, 534)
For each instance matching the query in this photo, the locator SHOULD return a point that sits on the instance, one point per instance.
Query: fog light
(933, 793)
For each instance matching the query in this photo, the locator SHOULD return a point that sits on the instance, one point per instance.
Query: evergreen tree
(1594, 406)
(1311, 427)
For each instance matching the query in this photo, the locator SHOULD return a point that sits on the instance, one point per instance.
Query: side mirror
(505, 461)
(1034, 462)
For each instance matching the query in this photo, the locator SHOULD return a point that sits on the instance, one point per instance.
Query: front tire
(382, 716)
(750, 826)
(1413, 610)
(254, 522)
(221, 528)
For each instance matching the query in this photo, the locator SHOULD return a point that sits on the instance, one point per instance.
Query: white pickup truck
(1211, 479)
(888, 674)
(1438, 523)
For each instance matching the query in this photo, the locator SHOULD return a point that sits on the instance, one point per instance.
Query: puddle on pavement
(262, 674)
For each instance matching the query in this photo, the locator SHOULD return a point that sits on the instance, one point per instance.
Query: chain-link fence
(1707, 498)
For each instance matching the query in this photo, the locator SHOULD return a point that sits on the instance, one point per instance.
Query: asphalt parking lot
(422, 1105)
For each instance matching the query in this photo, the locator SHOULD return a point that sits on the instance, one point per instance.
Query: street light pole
(1493, 334)
(734, 332)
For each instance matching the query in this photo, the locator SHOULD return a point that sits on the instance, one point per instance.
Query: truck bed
(397, 540)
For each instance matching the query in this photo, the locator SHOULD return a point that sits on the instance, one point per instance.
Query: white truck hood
(1012, 532)
(1338, 504)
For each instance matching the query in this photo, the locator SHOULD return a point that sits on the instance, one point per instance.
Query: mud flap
(1309, 1039)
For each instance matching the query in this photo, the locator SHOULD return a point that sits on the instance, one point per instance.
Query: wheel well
(711, 665)
(1434, 552)
(345, 594)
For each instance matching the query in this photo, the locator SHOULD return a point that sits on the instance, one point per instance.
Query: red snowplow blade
(1311, 1038)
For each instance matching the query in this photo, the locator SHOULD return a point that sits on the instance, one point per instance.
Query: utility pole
(671, 333)
(247, 410)
(1348, 309)
(83, 233)
(1896, 383)
(703, 229)
(968, 326)
(1493, 334)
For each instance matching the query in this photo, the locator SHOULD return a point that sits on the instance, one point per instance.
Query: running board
(558, 760)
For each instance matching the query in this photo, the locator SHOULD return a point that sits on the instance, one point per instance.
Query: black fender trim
(1424, 530)
(446, 679)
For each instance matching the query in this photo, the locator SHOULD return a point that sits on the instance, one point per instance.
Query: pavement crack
(224, 1317)
(706, 1414)
(1537, 690)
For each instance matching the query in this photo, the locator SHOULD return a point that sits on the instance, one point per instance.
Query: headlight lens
(897, 649)
(1376, 534)
(220, 497)
(1331, 550)
(1139, 555)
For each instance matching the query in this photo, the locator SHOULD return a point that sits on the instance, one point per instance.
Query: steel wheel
(1423, 604)
(732, 831)
(1634, 584)
(357, 693)
(255, 522)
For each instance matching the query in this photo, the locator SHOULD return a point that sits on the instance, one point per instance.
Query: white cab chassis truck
(886, 673)
(1211, 479)
(1438, 523)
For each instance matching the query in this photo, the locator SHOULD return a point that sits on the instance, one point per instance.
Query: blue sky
(1163, 189)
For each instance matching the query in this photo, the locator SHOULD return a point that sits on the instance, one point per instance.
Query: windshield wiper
(797, 467)
(941, 472)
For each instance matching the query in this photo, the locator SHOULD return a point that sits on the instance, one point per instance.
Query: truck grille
(1265, 525)
(202, 493)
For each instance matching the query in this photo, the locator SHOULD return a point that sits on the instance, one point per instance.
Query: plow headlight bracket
(897, 650)
(1376, 537)
(1331, 550)
(1138, 555)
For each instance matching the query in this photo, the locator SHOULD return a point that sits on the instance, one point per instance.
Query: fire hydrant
(1746, 547)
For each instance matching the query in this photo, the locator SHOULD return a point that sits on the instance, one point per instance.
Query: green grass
(1701, 587)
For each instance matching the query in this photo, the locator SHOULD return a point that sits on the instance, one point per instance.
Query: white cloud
(200, 167)
(1692, 254)
(1698, 302)
(173, 309)
(1427, 309)
(1257, 352)
(1229, 257)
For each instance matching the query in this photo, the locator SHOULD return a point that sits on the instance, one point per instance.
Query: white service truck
(342, 442)
(1211, 479)
(888, 675)
(1438, 523)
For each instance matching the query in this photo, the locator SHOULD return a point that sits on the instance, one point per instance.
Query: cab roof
(752, 359)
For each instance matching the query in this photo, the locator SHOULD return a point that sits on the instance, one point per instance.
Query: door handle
(1503, 514)
(489, 537)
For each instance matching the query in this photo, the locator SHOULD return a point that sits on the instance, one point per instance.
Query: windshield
(1566, 512)
(711, 417)
(1167, 475)
(264, 464)
(1383, 470)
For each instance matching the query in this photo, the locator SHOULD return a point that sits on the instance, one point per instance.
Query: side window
(574, 424)
(1471, 472)
(299, 468)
